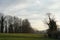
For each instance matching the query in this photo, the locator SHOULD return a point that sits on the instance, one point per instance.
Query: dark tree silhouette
(11, 28)
(2, 23)
(6, 26)
(20, 25)
(52, 26)
(26, 27)
(16, 24)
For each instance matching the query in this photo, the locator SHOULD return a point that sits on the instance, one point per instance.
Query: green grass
(18, 36)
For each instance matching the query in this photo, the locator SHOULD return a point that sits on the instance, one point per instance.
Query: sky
(34, 10)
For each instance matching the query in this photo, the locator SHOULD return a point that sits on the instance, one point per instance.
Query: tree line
(9, 24)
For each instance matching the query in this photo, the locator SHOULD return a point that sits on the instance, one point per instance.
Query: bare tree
(16, 24)
(2, 23)
(5, 26)
(10, 23)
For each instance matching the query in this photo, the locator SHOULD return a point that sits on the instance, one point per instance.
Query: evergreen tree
(26, 27)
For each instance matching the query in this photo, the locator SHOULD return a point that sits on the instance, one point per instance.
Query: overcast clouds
(34, 10)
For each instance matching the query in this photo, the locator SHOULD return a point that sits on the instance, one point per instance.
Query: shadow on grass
(26, 38)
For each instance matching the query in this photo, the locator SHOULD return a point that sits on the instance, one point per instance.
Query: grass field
(23, 37)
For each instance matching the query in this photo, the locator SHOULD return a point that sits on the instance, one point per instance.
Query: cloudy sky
(34, 10)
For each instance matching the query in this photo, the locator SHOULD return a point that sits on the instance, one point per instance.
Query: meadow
(21, 36)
